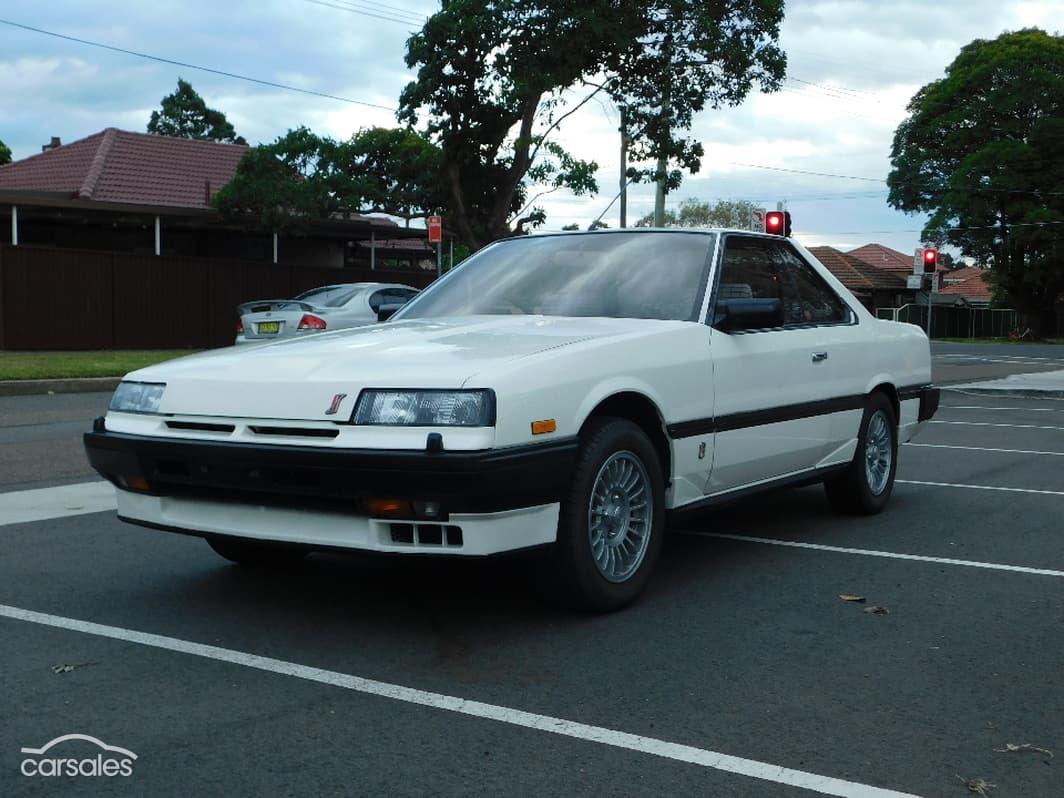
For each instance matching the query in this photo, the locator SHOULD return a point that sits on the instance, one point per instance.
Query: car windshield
(330, 296)
(636, 275)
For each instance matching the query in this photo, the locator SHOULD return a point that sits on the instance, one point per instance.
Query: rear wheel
(864, 488)
(263, 553)
(611, 523)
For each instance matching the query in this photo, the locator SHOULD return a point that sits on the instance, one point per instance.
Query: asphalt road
(741, 647)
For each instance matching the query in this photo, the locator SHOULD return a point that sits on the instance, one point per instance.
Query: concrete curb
(82, 385)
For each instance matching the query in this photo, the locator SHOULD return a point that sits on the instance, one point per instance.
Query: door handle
(818, 356)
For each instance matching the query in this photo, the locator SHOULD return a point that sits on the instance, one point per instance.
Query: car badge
(337, 400)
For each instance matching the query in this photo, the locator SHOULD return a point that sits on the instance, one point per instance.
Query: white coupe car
(331, 307)
(557, 391)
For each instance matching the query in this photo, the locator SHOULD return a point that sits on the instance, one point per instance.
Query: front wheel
(611, 523)
(865, 486)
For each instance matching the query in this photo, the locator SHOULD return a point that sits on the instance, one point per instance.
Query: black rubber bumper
(928, 402)
(305, 476)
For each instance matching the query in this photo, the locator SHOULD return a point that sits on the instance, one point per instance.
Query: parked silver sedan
(331, 307)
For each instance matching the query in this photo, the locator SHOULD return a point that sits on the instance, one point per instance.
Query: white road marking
(40, 504)
(992, 424)
(825, 785)
(983, 449)
(985, 407)
(979, 487)
(797, 544)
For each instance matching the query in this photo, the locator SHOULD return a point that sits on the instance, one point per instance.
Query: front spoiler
(335, 479)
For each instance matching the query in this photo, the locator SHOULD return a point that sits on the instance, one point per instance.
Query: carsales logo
(110, 761)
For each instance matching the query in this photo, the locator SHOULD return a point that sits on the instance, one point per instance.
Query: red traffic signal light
(930, 260)
(778, 223)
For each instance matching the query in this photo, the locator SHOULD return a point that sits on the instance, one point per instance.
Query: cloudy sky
(853, 65)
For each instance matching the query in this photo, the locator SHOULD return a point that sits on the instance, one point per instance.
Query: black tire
(852, 492)
(258, 553)
(569, 573)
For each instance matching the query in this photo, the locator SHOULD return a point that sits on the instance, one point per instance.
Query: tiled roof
(118, 166)
(884, 258)
(855, 274)
(974, 288)
(960, 275)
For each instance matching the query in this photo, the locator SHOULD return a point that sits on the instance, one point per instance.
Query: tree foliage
(184, 114)
(301, 177)
(982, 150)
(5, 154)
(696, 213)
(492, 76)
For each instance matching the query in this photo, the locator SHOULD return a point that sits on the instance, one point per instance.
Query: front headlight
(425, 408)
(138, 397)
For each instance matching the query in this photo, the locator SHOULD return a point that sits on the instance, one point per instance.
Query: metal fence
(79, 299)
(953, 322)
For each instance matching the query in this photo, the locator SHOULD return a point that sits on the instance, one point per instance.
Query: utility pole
(624, 169)
(663, 134)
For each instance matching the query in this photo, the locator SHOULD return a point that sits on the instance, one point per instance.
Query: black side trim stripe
(770, 415)
(774, 415)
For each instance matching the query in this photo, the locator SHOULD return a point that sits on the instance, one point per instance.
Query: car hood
(298, 379)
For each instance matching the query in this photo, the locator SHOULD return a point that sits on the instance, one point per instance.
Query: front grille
(443, 535)
(200, 426)
(296, 432)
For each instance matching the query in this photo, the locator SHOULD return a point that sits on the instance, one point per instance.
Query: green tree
(280, 186)
(696, 213)
(302, 176)
(491, 76)
(5, 154)
(982, 150)
(184, 114)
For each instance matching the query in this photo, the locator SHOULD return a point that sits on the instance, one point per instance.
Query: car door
(773, 377)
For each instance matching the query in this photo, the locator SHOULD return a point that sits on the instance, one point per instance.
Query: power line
(885, 232)
(185, 65)
(371, 12)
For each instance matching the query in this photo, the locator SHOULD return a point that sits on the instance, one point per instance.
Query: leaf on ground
(978, 786)
(850, 597)
(1011, 748)
(876, 610)
(69, 668)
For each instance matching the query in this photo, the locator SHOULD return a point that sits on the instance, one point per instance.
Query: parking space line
(993, 424)
(797, 544)
(41, 504)
(979, 487)
(983, 449)
(825, 785)
(988, 407)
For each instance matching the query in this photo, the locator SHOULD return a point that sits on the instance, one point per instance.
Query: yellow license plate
(269, 327)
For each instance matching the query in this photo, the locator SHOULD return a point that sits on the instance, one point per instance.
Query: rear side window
(390, 296)
(763, 269)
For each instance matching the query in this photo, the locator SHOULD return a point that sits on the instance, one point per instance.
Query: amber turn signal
(541, 427)
(389, 508)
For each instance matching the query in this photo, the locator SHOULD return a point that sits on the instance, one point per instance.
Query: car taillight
(309, 322)
(239, 326)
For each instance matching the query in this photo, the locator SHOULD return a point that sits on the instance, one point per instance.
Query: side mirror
(385, 312)
(748, 314)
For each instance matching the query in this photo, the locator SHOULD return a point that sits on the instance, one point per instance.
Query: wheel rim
(619, 516)
(878, 452)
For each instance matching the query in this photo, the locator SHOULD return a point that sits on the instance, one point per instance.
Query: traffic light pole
(930, 287)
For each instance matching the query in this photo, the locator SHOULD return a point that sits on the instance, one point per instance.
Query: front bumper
(319, 496)
(460, 481)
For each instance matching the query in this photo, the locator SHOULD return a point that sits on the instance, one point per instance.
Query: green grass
(59, 365)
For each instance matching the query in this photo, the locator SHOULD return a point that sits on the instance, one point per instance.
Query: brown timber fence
(80, 299)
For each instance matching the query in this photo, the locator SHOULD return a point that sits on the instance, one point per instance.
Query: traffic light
(778, 223)
(930, 261)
